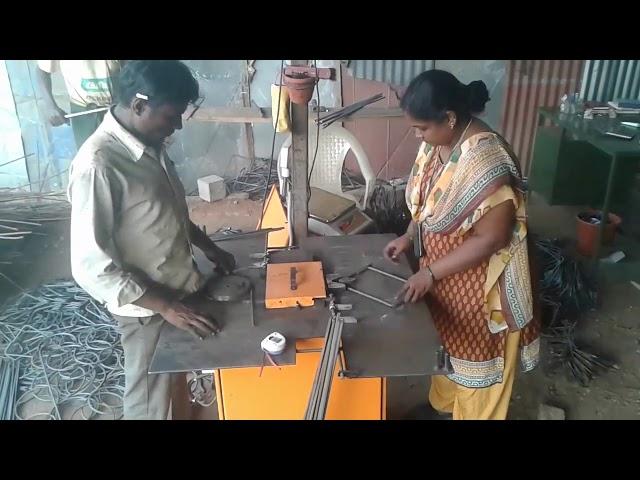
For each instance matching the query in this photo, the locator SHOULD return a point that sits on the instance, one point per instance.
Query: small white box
(211, 188)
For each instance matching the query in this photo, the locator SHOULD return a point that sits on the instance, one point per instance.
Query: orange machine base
(282, 393)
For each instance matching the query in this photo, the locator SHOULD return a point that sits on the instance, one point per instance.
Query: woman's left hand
(417, 286)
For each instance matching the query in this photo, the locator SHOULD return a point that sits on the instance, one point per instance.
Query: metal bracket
(336, 286)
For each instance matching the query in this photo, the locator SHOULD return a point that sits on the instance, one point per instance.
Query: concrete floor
(613, 329)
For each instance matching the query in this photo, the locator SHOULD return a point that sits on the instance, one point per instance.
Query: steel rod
(387, 274)
(370, 297)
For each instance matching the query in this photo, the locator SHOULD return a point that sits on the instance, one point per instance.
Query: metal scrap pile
(567, 293)
(68, 352)
(254, 180)
(24, 214)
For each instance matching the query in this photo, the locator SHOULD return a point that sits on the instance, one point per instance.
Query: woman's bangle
(433, 277)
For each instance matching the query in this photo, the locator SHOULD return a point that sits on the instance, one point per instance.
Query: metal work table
(575, 127)
(384, 343)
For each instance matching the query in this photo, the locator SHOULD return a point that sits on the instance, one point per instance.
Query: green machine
(581, 162)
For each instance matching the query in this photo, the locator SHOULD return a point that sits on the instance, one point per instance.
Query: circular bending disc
(229, 288)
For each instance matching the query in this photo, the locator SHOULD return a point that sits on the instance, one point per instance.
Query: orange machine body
(282, 393)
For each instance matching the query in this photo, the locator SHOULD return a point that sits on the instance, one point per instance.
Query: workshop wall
(26, 133)
(199, 149)
(390, 144)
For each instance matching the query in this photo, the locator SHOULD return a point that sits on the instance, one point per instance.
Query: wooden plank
(263, 115)
(233, 115)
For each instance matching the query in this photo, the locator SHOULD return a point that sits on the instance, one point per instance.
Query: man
(89, 83)
(131, 237)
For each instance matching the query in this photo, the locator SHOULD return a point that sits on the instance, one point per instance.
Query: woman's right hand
(397, 247)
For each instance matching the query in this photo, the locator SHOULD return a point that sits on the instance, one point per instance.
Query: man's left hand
(223, 259)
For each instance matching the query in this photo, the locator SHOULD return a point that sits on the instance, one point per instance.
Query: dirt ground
(613, 329)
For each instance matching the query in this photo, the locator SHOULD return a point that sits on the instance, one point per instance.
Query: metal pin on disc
(229, 288)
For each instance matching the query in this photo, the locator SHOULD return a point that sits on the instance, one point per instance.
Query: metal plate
(383, 343)
(238, 343)
(229, 288)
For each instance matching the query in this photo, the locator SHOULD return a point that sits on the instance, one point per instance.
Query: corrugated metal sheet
(606, 80)
(390, 143)
(533, 84)
(394, 72)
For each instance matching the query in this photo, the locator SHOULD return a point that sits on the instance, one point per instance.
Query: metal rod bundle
(255, 179)
(348, 110)
(565, 353)
(20, 212)
(321, 388)
(9, 373)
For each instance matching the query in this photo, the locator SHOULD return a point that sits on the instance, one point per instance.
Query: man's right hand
(186, 318)
(55, 115)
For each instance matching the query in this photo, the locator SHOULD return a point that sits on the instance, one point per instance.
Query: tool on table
(264, 258)
(229, 288)
(272, 344)
(231, 234)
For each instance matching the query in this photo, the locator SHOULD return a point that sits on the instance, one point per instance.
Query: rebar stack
(22, 214)
(254, 179)
(9, 373)
(567, 293)
(346, 111)
(582, 364)
(321, 388)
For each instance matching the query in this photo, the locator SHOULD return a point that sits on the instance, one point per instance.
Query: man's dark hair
(432, 93)
(163, 81)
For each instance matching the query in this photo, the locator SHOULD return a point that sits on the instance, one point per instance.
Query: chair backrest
(335, 143)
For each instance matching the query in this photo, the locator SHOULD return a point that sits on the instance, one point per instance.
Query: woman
(465, 195)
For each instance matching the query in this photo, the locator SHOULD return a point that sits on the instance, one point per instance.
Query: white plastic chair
(335, 143)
